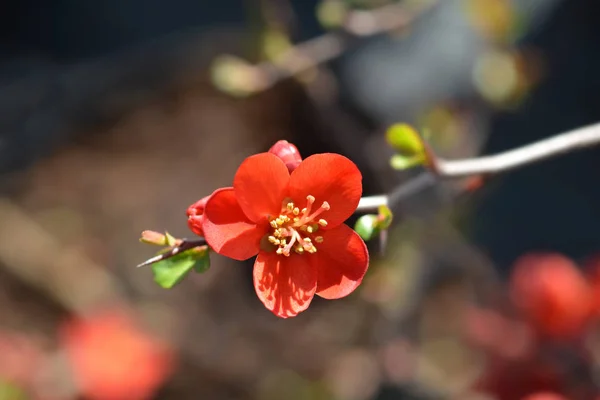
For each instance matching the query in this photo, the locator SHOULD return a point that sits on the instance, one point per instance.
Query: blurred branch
(580, 138)
(314, 52)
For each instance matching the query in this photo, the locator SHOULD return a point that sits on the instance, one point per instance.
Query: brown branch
(567, 142)
(314, 52)
(184, 245)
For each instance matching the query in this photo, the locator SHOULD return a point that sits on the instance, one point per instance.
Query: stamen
(319, 239)
(309, 229)
(322, 222)
(296, 211)
(273, 223)
(290, 206)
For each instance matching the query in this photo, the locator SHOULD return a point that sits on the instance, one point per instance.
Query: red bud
(288, 153)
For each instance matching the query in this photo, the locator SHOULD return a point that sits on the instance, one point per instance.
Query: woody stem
(566, 142)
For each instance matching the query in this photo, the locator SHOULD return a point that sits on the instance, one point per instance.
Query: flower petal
(285, 285)
(328, 177)
(260, 184)
(341, 261)
(226, 228)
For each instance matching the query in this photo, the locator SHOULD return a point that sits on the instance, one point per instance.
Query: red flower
(552, 293)
(294, 222)
(113, 360)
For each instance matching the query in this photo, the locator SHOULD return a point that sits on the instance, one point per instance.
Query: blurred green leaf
(169, 239)
(367, 226)
(169, 272)
(401, 162)
(331, 13)
(9, 391)
(385, 217)
(405, 140)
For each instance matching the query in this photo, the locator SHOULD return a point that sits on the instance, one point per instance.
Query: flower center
(293, 228)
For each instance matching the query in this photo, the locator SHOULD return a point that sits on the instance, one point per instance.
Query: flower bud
(288, 153)
(195, 216)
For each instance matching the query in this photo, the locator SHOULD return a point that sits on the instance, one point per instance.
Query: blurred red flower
(272, 213)
(544, 396)
(552, 294)
(112, 359)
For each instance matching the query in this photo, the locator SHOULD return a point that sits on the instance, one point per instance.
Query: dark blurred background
(112, 122)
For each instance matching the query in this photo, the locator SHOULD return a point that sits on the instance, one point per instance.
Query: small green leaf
(202, 261)
(367, 226)
(9, 391)
(401, 162)
(385, 217)
(169, 272)
(405, 140)
(331, 13)
(169, 239)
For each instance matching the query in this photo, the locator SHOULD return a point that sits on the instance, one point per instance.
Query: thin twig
(185, 244)
(576, 139)
(317, 51)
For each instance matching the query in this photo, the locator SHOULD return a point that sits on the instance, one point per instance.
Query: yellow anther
(307, 240)
(322, 222)
(304, 210)
(299, 249)
(280, 221)
(310, 199)
(273, 223)
(290, 206)
(296, 211)
(279, 250)
(319, 239)
(274, 240)
(296, 219)
(312, 250)
(283, 242)
(309, 229)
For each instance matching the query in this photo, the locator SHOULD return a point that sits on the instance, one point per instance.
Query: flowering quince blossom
(113, 360)
(292, 217)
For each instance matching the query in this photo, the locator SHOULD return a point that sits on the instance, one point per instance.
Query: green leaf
(9, 391)
(169, 239)
(405, 140)
(385, 217)
(331, 13)
(401, 162)
(367, 226)
(169, 272)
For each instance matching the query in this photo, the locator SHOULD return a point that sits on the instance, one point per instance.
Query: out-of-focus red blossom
(544, 396)
(498, 335)
(552, 294)
(516, 380)
(20, 359)
(593, 271)
(294, 222)
(195, 216)
(288, 153)
(112, 359)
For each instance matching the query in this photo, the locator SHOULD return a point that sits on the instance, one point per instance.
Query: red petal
(328, 177)
(260, 184)
(195, 224)
(227, 230)
(285, 285)
(342, 261)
